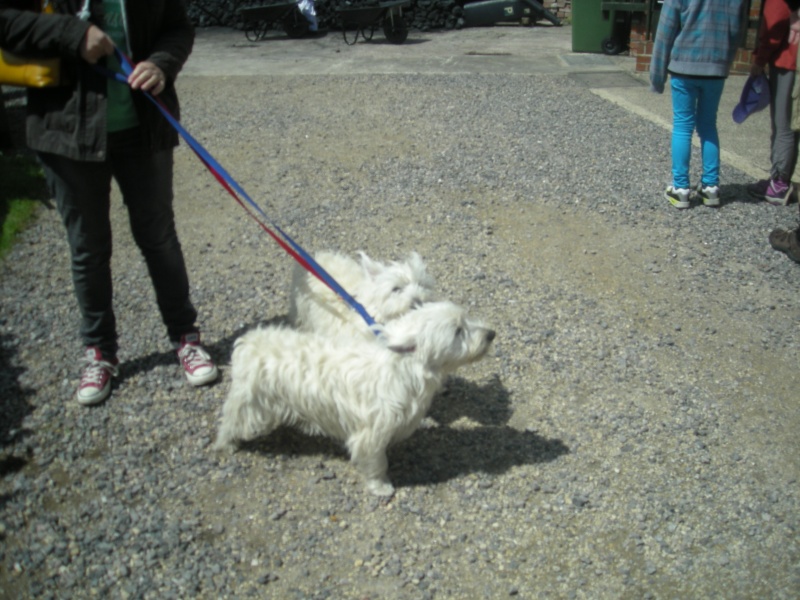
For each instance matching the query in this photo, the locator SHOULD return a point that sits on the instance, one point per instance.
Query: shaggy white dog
(385, 290)
(368, 393)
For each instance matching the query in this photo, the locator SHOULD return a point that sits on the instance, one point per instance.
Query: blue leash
(230, 184)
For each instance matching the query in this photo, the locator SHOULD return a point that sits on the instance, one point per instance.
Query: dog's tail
(246, 413)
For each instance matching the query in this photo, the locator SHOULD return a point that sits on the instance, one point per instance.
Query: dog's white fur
(385, 290)
(368, 393)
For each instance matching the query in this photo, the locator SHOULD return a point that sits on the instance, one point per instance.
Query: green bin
(595, 29)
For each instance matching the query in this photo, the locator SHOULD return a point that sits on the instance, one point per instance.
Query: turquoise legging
(695, 102)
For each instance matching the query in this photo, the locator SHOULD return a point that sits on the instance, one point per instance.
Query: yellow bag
(27, 72)
(30, 72)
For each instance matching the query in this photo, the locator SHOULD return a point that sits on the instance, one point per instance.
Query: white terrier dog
(386, 291)
(368, 393)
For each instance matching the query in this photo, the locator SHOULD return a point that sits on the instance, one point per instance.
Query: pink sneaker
(196, 362)
(778, 192)
(95, 385)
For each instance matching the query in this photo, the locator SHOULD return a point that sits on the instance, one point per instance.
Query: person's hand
(95, 45)
(756, 70)
(146, 76)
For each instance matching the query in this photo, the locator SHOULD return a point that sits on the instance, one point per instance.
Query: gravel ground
(632, 434)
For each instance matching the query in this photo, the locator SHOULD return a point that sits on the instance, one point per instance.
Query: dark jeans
(82, 192)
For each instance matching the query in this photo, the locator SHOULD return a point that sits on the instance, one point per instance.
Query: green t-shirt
(121, 112)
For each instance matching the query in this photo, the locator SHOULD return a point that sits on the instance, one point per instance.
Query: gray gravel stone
(632, 435)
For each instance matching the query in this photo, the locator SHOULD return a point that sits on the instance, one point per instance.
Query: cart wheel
(346, 39)
(295, 24)
(611, 45)
(254, 32)
(395, 30)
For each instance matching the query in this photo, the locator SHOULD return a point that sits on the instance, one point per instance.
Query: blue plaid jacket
(696, 37)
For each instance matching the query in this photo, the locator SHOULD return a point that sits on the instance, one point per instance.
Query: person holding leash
(93, 130)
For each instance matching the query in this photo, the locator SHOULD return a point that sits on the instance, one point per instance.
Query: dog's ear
(415, 260)
(420, 270)
(371, 267)
(398, 342)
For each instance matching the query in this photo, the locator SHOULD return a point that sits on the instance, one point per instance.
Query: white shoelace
(93, 373)
(194, 357)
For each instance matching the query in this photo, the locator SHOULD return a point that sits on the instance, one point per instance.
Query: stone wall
(422, 14)
(560, 8)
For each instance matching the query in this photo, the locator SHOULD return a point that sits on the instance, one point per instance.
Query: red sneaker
(95, 385)
(196, 362)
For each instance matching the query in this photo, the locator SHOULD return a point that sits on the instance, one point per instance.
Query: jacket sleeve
(774, 32)
(174, 41)
(29, 33)
(668, 28)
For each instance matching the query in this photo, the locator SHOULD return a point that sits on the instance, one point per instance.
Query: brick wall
(642, 36)
(560, 8)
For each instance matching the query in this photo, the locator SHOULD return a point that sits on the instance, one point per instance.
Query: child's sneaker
(709, 194)
(778, 192)
(678, 197)
(196, 362)
(95, 385)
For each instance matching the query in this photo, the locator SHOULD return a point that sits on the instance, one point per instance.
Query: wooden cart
(366, 19)
(258, 20)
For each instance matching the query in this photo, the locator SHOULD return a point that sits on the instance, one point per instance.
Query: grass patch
(22, 190)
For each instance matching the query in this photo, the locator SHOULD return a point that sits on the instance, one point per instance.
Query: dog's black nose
(490, 335)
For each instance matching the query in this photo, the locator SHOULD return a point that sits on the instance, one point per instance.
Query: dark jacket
(71, 120)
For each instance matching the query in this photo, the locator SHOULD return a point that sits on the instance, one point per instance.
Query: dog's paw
(380, 487)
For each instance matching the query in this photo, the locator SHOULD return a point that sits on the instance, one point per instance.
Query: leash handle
(234, 189)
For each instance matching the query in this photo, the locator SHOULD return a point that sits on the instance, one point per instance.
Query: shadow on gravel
(737, 193)
(130, 368)
(220, 352)
(488, 404)
(438, 454)
(14, 407)
(291, 442)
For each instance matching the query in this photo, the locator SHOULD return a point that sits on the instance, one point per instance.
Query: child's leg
(684, 101)
(707, 108)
